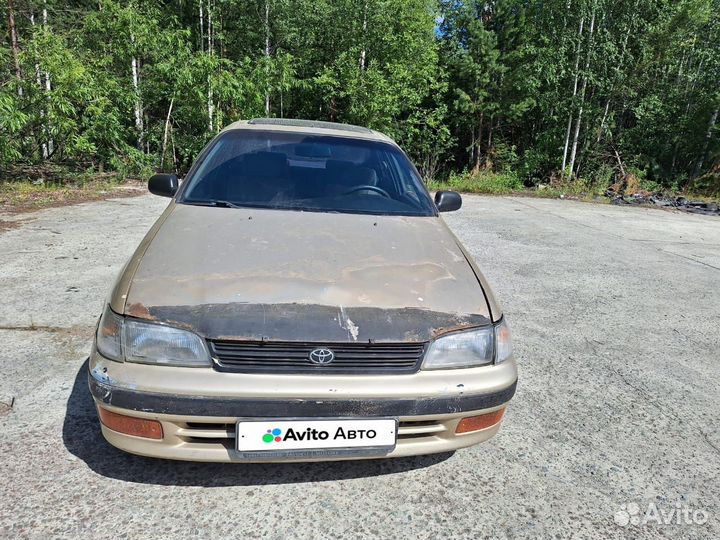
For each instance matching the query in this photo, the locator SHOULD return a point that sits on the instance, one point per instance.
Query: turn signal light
(475, 423)
(129, 425)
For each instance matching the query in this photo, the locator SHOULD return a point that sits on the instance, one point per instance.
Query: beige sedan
(300, 299)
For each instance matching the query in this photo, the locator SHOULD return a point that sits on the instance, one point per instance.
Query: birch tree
(583, 88)
(137, 105)
(576, 71)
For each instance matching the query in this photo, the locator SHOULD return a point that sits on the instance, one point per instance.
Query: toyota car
(300, 299)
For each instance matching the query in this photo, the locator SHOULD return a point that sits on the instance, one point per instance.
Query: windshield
(296, 171)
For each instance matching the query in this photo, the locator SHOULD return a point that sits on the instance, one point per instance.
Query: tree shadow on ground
(83, 438)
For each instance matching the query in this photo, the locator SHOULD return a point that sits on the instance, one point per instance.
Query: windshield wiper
(226, 204)
(222, 204)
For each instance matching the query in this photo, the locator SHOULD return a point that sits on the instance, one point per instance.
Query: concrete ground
(616, 322)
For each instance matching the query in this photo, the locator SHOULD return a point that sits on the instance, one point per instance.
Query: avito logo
(273, 435)
(309, 434)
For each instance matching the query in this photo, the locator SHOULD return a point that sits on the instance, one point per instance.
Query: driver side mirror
(448, 201)
(163, 184)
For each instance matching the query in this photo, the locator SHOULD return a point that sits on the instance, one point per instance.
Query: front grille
(294, 357)
(419, 429)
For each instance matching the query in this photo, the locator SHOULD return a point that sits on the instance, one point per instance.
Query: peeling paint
(314, 322)
(347, 324)
(353, 329)
(100, 374)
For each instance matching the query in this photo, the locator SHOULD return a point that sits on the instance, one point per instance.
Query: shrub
(133, 164)
(480, 182)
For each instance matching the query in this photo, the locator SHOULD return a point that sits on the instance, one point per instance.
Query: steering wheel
(376, 189)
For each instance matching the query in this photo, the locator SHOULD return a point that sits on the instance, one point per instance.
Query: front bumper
(428, 404)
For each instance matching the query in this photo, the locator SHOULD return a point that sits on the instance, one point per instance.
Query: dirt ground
(616, 320)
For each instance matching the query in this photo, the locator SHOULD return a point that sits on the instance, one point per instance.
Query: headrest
(346, 174)
(315, 150)
(362, 176)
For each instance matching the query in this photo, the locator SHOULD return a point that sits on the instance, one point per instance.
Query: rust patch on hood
(312, 322)
(138, 310)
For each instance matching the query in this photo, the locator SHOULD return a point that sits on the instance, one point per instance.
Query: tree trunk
(138, 104)
(38, 79)
(602, 122)
(364, 31)
(576, 135)
(48, 86)
(490, 136)
(210, 102)
(267, 57)
(209, 28)
(202, 29)
(15, 47)
(620, 163)
(575, 86)
(333, 109)
(706, 144)
(211, 33)
(478, 144)
(172, 143)
(165, 134)
(471, 160)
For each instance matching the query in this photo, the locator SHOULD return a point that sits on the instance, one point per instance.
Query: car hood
(230, 273)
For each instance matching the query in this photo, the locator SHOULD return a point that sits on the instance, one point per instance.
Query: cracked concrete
(615, 317)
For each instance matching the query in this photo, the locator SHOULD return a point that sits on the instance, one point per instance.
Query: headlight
(134, 341)
(109, 335)
(472, 348)
(503, 343)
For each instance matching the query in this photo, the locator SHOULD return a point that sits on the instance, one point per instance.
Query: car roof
(315, 127)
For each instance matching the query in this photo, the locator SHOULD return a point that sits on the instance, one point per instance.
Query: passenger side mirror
(448, 201)
(163, 184)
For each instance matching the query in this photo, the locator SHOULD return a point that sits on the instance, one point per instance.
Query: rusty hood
(231, 273)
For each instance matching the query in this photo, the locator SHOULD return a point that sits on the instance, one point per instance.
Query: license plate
(297, 437)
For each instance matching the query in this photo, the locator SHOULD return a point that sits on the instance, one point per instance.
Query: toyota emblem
(321, 357)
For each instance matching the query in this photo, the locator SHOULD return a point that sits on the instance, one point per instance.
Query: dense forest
(563, 90)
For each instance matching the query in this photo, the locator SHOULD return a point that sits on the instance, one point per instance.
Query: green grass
(480, 182)
(26, 195)
(486, 182)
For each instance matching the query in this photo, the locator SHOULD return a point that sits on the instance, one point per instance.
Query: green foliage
(12, 120)
(482, 181)
(496, 88)
(133, 163)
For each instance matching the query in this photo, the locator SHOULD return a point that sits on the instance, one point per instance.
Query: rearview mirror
(163, 184)
(448, 201)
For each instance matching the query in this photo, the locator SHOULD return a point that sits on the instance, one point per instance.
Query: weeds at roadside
(581, 189)
(480, 182)
(27, 190)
